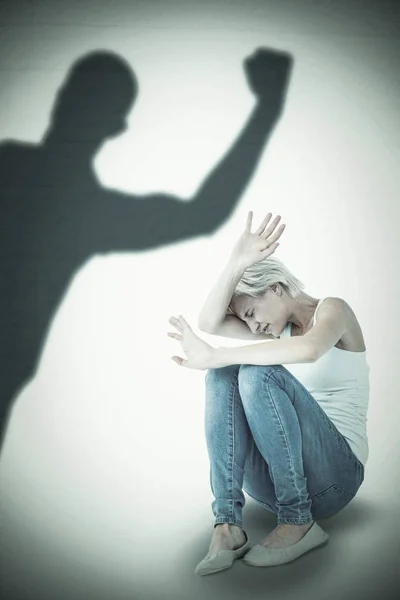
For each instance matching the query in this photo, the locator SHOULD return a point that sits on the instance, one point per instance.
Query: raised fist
(268, 73)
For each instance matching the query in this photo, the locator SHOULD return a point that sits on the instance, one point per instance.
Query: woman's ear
(277, 289)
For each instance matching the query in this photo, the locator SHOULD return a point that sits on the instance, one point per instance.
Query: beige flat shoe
(212, 563)
(260, 556)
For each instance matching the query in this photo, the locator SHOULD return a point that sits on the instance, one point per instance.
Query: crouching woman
(285, 420)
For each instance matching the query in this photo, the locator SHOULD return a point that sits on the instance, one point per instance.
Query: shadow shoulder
(10, 146)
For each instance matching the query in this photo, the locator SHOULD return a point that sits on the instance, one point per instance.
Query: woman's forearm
(216, 304)
(298, 349)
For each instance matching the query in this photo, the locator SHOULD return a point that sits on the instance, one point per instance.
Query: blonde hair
(262, 275)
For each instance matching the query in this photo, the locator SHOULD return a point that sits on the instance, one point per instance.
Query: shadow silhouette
(55, 214)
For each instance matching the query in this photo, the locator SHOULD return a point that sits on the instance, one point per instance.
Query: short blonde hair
(262, 275)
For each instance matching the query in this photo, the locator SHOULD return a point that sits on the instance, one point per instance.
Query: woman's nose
(255, 327)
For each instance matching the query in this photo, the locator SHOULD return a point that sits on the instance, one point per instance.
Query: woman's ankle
(227, 526)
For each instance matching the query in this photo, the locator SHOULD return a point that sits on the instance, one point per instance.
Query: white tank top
(339, 382)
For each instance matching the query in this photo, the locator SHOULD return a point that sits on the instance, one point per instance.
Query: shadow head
(94, 100)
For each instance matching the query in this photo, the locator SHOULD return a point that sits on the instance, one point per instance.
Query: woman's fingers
(277, 234)
(177, 336)
(184, 322)
(270, 250)
(271, 231)
(180, 323)
(180, 361)
(264, 223)
(249, 220)
(272, 227)
(176, 323)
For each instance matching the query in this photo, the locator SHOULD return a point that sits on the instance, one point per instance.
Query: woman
(292, 437)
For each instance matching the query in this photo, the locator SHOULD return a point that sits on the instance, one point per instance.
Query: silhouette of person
(55, 214)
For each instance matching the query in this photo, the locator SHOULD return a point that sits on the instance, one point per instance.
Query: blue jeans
(268, 436)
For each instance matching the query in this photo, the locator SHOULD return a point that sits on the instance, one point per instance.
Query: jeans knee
(251, 377)
(250, 374)
(217, 378)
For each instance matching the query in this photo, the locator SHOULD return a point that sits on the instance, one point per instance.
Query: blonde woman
(292, 437)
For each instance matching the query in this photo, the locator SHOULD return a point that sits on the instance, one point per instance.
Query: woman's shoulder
(352, 339)
(337, 304)
(334, 302)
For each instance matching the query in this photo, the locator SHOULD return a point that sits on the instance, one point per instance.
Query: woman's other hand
(253, 247)
(199, 353)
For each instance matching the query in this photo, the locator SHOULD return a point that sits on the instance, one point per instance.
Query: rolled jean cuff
(220, 520)
(294, 521)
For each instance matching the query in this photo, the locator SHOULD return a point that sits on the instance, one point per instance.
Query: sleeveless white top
(339, 382)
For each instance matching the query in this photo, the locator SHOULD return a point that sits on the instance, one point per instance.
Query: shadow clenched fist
(268, 73)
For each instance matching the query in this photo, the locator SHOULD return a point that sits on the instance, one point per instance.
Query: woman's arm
(277, 352)
(217, 318)
(233, 327)
(249, 248)
(200, 355)
(330, 327)
(215, 308)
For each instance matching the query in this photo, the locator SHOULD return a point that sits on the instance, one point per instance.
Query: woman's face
(268, 314)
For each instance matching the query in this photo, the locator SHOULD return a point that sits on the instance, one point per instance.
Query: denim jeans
(268, 436)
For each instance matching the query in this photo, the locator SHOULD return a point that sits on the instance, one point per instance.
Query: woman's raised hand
(253, 247)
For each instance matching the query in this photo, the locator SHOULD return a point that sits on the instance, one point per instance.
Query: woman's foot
(285, 535)
(281, 547)
(227, 537)
(228, 543)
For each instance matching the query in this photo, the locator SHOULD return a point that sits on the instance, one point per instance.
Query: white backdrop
(104, 473)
